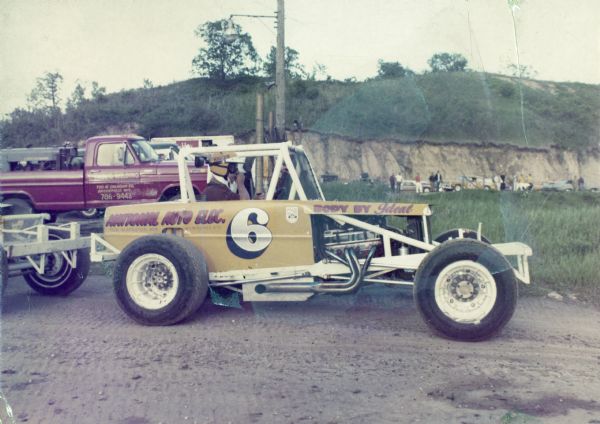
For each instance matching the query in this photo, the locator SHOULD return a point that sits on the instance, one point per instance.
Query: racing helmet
(224, 166)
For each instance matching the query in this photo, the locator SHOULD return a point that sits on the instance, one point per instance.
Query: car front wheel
(465, 290)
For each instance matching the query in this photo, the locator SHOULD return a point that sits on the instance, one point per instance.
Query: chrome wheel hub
(465, 291)
(152, 281)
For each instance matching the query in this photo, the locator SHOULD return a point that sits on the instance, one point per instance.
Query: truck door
(113, 178)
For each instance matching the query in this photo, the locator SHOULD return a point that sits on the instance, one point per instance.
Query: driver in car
(226, 181)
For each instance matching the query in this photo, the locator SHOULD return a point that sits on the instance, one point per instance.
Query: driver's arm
(242, 192)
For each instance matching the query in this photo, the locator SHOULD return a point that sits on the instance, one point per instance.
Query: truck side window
(113, 154)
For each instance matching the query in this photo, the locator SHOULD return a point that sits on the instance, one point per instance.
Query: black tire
(494, 309)
(457, 187)
(191, 272)
(90, 213)
(3, 271)
(454, 233)
(19, 206)
(60, 279)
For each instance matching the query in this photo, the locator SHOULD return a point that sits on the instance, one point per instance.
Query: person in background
(438, 180)
(418, 183)
(399, 181)
(580, 183)
(392, 182)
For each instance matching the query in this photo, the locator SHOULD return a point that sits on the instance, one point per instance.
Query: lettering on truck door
(114, 177)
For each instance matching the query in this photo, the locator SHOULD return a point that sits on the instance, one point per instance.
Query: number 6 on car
(247, 233)
(294, 245)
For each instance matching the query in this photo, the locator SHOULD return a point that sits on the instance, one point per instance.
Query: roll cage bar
(281, 153)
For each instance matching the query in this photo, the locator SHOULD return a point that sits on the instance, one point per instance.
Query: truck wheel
(455, 232)
(19, 206)
(160, 279)
(457, 187)
(59, 277)
(465, 290)
(89, 213)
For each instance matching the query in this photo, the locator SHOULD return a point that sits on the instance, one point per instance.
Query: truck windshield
(144, 152)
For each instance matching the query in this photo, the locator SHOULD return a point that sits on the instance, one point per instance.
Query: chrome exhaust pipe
(351, 285)
(357, 274)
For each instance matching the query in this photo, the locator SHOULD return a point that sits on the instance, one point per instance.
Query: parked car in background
(411, 186)
(562, 185)
(477, 183)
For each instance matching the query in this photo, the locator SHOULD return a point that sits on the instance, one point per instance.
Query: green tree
(46, 93)
(98, 92)
(77, 97)
(390, 69)
(293, 69)
(226, 55)
(447, 62)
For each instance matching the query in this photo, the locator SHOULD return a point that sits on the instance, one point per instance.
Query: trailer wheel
(465, 290)
(455, 233)
(160, 279)
(3, 271)
(59, 278)
(19, 206)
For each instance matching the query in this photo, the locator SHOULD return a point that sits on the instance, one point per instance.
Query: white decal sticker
(291, 214)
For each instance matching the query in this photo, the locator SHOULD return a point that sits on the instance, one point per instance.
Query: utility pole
(260, 137)
(280, 73)
(279, 65)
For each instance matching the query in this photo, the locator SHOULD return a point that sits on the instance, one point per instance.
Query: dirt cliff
(379, 158)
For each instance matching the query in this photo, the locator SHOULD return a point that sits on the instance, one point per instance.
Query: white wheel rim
(89, 212)
(465, 292)
(152, 281)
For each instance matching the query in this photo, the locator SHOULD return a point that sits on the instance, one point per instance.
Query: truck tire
(465, 290)
(19, 206)
(454, 233)
(90, 213)
(457, 187)
(160, 279)
(59, 278)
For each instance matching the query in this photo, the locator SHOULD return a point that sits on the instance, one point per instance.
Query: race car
(294, 245)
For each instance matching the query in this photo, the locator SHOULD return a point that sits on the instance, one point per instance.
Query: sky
(119, 43)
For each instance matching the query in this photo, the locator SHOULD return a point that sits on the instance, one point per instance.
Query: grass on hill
(459, 106)
(561, 228)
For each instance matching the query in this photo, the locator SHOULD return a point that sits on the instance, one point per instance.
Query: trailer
(53, 259)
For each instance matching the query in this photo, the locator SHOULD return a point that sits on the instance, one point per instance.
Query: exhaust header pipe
(357, 275)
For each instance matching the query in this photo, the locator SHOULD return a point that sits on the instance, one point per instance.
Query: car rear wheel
(465, 290)
(160, 280)
(59, 277)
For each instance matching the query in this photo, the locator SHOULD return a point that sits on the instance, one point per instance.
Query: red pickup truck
(114, 170)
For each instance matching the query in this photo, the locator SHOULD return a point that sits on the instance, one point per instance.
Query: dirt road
(369, 358)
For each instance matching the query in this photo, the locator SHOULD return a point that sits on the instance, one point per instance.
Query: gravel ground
(367, 358)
